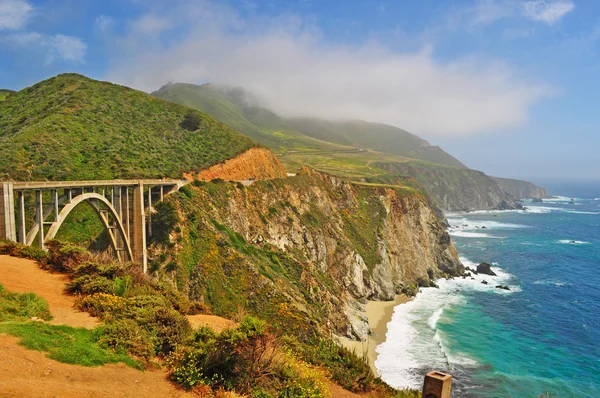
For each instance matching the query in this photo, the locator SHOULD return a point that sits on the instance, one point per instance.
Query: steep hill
(521, 189)
(71, 127)
(238, 108)
(451, 189)
(4, 93)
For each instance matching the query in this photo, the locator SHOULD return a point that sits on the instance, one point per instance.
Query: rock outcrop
(354, 242)
(485, 268)
(254, 164)
(521, 189)
(455, 189)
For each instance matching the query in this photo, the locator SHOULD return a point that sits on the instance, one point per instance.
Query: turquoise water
(543, 334)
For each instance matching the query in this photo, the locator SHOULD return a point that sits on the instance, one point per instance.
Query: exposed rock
(484, 282)
(504, 287)
(254, 164)
(485, 268)
(537, 200)
(521, 189)
(314, 218)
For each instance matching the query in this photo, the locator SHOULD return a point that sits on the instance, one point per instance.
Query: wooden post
(437, 385)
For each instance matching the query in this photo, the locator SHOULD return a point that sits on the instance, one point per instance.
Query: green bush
(90, 284)
(163, 222)
(17, 250)
(234, 359)
(127, 336)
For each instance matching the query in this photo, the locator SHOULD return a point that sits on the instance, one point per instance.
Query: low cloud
(297, 72)
(14, 14)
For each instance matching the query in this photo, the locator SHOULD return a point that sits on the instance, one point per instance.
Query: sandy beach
(379, 314)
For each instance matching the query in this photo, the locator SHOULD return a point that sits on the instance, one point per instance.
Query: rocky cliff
(521, 189)
(312, 244)
(454, 189)
(255, 163)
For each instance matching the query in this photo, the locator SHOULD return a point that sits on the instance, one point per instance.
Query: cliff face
(455, 189)
(255, 163)
(320, 244)
(521, 189)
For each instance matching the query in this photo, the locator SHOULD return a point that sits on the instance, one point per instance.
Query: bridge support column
(7, 212)
(138, 236)
(22, 227)
(40, 217)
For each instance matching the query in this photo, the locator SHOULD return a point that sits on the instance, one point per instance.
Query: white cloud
(547, 11)
(298, 73)
(104, 24)
(14, 14)
(68, 48)
(63, 47)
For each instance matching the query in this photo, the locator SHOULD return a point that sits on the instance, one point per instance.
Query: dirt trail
(25, 373)
(214, 322)
(22, 275)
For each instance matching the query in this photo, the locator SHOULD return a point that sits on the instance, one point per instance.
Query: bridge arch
(94, 200)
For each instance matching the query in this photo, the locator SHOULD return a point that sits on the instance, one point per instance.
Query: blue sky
(509, 87)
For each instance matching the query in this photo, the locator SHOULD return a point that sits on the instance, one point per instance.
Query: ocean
(541, 335)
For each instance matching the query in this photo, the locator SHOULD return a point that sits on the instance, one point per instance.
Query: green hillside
(71, 127)
(4, 93)
(259, 124)
(234, 107)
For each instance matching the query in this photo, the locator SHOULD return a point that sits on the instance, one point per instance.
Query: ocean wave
(557, 283)
(573, 242)
(465, 234)
(414, 341)
(579, 212)
(467, 224)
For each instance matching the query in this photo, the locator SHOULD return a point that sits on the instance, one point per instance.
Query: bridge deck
(91, 183)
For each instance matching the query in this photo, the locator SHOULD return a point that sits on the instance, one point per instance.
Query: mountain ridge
(240, 109)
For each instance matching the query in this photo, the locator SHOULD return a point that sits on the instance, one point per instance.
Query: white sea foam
(413, 340)
(553, 282)
(465, 234)
(573, 242)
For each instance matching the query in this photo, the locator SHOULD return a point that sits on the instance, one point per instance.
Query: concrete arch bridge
(121, 205)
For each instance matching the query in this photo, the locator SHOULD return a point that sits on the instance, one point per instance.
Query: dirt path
(25, 373)
(22, 275)
(216, 323)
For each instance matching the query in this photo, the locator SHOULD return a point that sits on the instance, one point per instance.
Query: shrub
(90, 284)
(164, 221)
(17, 250)
(170, 328)
(241, 359)
(121, 286)
(64, 257)
(103, 304)
(126, 336)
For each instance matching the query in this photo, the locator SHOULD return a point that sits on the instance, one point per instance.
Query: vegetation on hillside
(237, 108)
(4, 93)
(143, 320)
(74, 128)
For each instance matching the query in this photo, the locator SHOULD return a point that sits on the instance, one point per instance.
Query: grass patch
(76, 346)
(22, 306)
